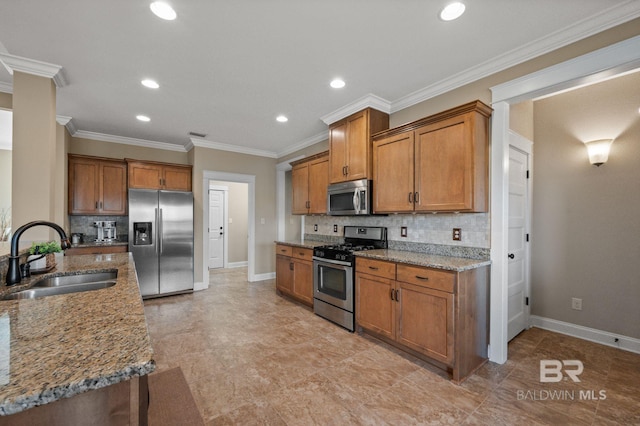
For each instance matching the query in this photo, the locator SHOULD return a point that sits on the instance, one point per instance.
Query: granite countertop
(450, 263)
(303, 243)
(59, 346)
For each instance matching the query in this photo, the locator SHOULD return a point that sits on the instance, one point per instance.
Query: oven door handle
(331, 261)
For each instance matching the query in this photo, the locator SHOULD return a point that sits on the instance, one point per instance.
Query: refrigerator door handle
(160, 231)
(157, 234)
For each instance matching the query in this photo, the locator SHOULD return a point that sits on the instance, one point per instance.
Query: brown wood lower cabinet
(294, 273)
(437, 315)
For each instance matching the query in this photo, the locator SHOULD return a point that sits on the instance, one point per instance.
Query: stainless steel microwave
(349, 198)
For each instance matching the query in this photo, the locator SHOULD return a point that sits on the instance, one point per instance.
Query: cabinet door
(84, 186)
(284, 274)
(303, 281)
(358, 152)
(444, 166)
(318, 183)
(113, 188)
(338, 152)
(176, 178)
(300, 189)
(144, 176)
(425, 321)
(393, 174)
(375, 307)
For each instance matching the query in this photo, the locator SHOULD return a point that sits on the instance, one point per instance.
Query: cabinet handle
(422, 278)
(101, 205)
(397, 291)
(511, 256)
(347, 170)
(416, 197)
(283, 250)
(411, 198)
(291, 266)
(373, 268)
(96, 204)
(391, 294)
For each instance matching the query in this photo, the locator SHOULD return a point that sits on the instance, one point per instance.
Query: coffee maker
(106, 230)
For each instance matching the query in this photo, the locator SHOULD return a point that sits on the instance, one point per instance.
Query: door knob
(511, 256)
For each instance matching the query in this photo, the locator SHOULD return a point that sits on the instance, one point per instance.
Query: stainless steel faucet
(13, 273)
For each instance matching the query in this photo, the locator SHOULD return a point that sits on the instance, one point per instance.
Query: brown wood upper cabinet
(438, 163)
(350, 144)
(97, 186)
(309, 181)
(155, 175)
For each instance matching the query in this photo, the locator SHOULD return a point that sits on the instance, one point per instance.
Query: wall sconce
(599, 151)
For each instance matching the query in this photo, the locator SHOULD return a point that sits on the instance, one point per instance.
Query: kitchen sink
(66, 284)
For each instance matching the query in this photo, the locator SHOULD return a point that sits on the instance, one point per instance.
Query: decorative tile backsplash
(84, 225)
(421, 228)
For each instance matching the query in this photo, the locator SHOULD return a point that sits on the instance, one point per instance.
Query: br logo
(551, 370)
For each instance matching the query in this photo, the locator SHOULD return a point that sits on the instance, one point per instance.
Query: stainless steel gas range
(333, 273)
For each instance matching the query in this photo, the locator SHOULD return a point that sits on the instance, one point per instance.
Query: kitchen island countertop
(59, 346)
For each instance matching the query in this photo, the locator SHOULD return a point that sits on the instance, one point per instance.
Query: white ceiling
(228, 68)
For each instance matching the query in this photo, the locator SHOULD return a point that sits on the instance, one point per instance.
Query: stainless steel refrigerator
(161, 240)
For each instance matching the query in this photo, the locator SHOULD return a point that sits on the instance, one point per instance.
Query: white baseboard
(262, 277)
(591, 334)
(237, 264)
(200, 286)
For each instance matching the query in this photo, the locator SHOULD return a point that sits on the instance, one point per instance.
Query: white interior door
(216, 229)
(518, 288)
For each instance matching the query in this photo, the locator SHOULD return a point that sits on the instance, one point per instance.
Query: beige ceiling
(228, 68)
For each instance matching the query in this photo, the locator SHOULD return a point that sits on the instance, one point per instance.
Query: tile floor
(252, 357)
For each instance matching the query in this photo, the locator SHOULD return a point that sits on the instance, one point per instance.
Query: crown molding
(128, 141)
(320, 137)
(68, 123)
(368, 101)
(609, 18)
(203, 143)
(31, 66)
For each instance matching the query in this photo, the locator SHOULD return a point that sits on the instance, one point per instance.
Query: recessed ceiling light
(143, 118)
(452, 11)
(151, 84)
(163, 10)
(282, 119)
(337, 83)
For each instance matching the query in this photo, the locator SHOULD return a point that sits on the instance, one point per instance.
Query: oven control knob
(342, 257)
(319, 253)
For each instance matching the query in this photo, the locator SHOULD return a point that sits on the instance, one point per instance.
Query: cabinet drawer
(426, 277)
(283, 250)
(302, 253)
(378, 268)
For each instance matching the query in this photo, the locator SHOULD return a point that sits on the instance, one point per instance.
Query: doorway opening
(228, 224)
(213, 178)
(605, 63)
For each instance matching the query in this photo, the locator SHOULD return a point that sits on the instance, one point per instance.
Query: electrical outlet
(335, 228)
(403, 231)
(457, 234)
(315, 227)
(576, 304)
